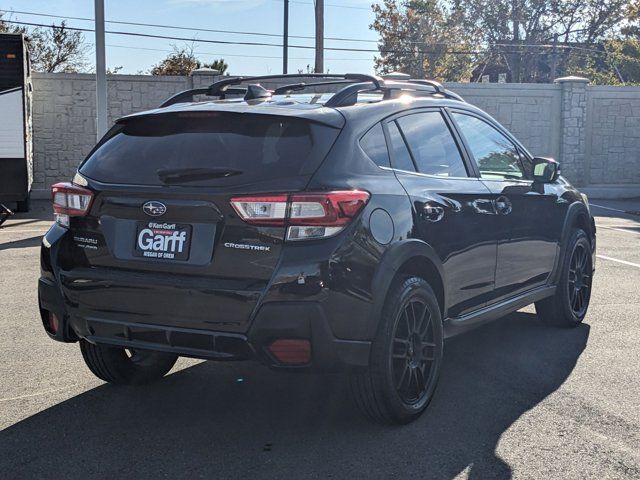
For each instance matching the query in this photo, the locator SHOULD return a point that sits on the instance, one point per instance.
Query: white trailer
(16, 151)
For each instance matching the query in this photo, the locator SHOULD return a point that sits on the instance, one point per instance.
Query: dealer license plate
(162, 241)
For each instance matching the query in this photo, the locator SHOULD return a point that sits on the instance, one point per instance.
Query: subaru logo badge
(154, 209)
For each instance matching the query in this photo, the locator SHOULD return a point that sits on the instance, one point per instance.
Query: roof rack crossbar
(349, 94)
(358, 83)
(184, 96)
(294, 87)
(219, 88)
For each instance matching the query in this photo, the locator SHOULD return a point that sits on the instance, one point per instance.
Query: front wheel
(406, 356)
(568, 307)
(125, 366)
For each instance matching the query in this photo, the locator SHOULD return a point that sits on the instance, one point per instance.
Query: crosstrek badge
(243, 246)
(163, 241)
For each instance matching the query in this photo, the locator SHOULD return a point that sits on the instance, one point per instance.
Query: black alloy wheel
(579, 279)
(406, 355)
(568, 306)
(413, 353)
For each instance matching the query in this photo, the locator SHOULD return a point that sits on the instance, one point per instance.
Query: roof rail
(221, 87)
(436, 87)
(358, 83)
(348, 95)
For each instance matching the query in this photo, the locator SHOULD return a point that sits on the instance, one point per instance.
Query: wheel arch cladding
(582, 220)
(411, 257)
(578, 216)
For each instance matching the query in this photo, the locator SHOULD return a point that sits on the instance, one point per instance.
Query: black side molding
(457, 325)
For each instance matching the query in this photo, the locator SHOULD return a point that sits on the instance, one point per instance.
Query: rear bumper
(300, 320)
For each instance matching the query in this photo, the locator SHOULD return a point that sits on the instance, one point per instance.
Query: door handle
(432, 213)
(483, 206)
(503, 205)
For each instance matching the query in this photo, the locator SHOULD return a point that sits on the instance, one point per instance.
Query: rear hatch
(162, 243)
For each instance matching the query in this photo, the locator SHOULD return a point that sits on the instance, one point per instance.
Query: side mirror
(545, 170)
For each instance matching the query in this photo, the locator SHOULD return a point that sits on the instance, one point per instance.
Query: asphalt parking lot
(516, 399)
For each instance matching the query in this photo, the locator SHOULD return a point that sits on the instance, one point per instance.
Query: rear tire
(126, 367)
(406, 356)
(568, 307)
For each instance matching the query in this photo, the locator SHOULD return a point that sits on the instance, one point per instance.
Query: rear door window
(211, 149)
(432, 145)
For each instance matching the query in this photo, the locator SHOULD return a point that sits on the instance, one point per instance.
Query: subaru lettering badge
(154, 209)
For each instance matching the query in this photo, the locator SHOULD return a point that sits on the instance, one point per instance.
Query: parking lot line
(619, 229)
(624, 262)
(607, 208)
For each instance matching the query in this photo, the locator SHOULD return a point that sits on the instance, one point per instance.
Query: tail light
(267, 210)
(70, 201)
(306, 215)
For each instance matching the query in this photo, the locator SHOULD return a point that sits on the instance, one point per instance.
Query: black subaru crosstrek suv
(353, 230)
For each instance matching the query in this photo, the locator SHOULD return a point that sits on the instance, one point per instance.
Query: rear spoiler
(312, 113)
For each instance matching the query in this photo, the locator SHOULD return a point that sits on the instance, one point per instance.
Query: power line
(180, 27)
(164, 50)
(516, 48)
(344, 39)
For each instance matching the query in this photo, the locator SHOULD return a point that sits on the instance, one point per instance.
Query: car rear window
(236, 148)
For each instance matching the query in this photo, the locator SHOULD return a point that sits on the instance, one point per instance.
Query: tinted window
(432, 145)
(494, 153)
(375, 146)
(250, 147)
(401, 156)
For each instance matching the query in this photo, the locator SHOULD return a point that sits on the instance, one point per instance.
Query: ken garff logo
(154, 209)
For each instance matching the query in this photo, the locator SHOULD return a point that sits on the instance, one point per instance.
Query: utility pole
(101, 72)
(554, 59)
(319, 68)
(285, 38)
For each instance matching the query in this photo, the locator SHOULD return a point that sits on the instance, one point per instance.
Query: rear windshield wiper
(183, 175)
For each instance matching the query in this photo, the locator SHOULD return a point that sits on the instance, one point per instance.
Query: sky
(343, 19)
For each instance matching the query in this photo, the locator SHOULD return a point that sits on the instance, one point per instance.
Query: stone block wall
(64, 110)
(613, 136)
(593, 131)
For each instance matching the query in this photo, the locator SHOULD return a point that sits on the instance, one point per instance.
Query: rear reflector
(70, 201)
(54, 322)
(307, 215)
(291, 351)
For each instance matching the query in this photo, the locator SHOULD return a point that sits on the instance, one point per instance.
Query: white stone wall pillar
(573, 129)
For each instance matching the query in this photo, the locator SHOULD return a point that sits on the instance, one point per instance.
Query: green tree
(183, 61)
(521, 30)
(417, 37)
(618, 64)
(531, 40)
(220, 65)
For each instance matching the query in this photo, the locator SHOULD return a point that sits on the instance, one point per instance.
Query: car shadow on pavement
(22, 243)
(242, 421)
